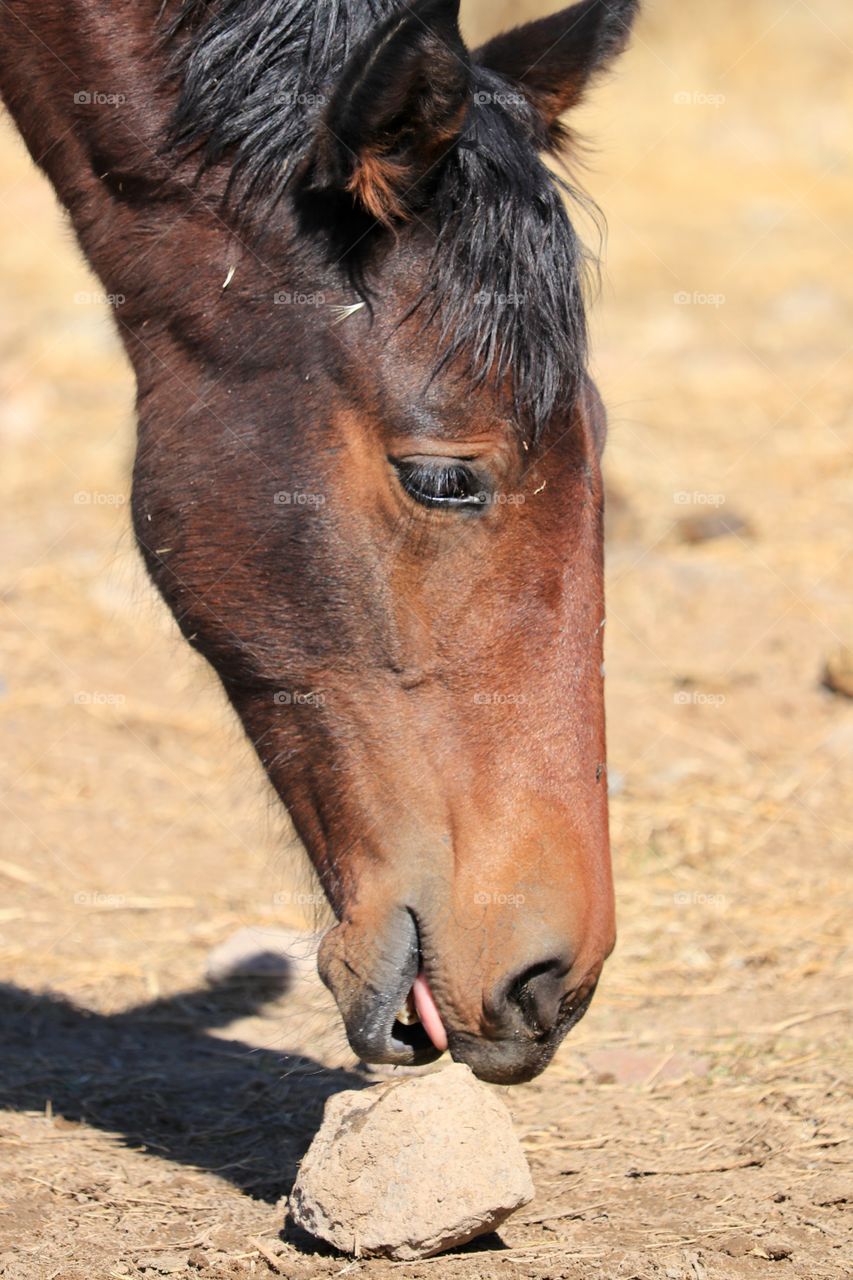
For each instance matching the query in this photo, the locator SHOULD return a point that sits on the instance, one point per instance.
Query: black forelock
(508, 271)
(506, 283)
(253, 75)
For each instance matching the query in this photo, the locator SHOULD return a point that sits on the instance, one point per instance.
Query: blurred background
(136, 832)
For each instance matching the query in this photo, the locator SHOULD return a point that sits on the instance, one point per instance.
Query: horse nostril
(539, 992)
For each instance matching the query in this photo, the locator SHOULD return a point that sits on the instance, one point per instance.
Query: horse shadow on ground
(154, 1077)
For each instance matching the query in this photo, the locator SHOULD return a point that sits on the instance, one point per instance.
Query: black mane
(507, 276)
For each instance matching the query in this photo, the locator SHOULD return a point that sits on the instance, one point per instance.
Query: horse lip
(370, 1014)
(376, 1035)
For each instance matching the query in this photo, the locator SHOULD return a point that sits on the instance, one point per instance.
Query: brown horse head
(368, 480)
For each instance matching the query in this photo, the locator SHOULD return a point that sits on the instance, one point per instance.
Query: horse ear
(553, 60)
(400, 105)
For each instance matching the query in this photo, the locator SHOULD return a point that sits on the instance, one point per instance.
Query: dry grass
(695, 1124)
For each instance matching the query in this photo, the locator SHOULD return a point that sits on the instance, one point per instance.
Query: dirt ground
(695, 1125)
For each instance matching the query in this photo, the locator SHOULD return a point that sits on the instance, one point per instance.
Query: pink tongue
(428, 1013)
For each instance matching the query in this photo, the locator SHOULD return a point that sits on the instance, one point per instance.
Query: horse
(368, 475)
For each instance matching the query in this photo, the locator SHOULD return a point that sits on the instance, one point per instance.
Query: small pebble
(717, 524)
(838, 675)
(256, 953)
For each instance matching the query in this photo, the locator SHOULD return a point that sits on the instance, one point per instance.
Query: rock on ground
(711, 525)
(264, 953)
(839, 672)
(406, 1169)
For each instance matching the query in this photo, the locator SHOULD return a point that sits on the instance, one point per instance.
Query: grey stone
(407, 1169)
(253, 953)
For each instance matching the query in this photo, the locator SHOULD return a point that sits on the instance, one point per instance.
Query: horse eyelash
(441, 484)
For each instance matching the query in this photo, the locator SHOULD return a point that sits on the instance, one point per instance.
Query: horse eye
(436, 483)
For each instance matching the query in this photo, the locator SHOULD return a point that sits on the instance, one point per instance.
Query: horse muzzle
(396, 1012)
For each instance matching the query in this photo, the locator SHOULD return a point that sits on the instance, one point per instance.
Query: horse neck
(88, 87)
